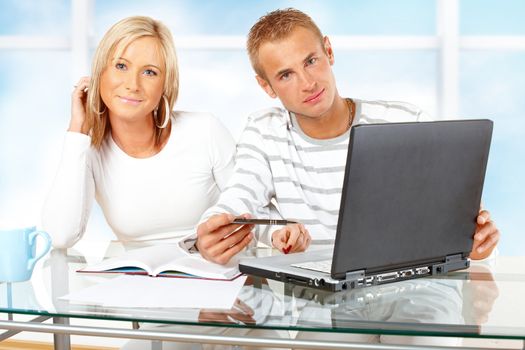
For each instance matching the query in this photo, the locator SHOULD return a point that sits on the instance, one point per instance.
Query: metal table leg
(61, 341)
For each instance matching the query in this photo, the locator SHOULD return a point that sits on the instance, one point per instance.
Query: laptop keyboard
(321, 266)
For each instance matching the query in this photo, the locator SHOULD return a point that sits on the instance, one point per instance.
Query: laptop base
(354, 279)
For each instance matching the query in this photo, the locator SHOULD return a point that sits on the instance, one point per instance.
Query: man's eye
(312, 60)
(285, 76)
(150, 72)
(120, 66)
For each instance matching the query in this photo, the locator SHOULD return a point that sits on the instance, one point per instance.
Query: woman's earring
(167, 114)
(100, 113)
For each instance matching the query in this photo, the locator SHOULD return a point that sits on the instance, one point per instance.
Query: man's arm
(249, 192)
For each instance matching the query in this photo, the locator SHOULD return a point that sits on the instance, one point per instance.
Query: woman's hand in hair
(78, 107)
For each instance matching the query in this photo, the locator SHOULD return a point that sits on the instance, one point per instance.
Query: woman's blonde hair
(118, 37)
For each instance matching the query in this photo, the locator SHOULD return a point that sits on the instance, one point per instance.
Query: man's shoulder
(379, 111)
(267, 117)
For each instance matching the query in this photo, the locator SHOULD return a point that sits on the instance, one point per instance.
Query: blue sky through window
(232, 17)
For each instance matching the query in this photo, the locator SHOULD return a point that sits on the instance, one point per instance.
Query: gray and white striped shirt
(281, 172)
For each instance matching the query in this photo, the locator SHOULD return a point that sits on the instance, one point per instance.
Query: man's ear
(328, 49)
(265, 86)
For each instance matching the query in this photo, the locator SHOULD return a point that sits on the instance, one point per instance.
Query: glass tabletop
(484, 301)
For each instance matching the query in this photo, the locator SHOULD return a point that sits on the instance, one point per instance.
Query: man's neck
(333, 123)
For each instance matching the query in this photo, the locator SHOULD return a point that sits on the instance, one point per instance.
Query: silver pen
(244, 221)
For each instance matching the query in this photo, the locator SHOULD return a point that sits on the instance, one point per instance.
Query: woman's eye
(150, 72)
(120, 66)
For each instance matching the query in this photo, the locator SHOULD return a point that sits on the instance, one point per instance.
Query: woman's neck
(137, 139)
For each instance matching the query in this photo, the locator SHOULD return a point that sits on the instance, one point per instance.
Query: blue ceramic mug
(18, 253)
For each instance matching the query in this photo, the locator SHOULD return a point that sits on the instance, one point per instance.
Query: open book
(166, 260)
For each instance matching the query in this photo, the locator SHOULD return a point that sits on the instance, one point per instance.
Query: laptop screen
(411, 193)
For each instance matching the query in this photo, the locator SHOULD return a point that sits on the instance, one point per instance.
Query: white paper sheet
(151, 292)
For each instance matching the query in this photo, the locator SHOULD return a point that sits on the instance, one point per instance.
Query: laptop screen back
(411, 193)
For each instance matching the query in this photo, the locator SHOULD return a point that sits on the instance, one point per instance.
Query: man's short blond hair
(277, 25)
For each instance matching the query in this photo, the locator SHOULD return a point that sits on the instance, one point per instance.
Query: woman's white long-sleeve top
(156, 198)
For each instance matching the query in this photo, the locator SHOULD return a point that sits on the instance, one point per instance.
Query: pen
(263, 221)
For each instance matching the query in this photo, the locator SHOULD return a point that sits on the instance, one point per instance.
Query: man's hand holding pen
(292, 238)
(222, 236)
(219, 238)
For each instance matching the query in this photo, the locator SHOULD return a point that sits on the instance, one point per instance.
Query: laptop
(410, 198)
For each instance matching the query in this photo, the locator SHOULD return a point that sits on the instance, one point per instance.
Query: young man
(290, 162)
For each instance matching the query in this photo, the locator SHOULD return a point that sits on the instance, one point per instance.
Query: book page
(147, 258)
(166, 257)
(198, 266)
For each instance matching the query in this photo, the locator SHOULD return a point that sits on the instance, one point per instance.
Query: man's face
(298, 71)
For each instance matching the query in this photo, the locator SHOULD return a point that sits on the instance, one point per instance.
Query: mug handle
(32, 236)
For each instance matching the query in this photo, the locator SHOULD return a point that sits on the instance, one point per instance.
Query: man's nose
(307, 81)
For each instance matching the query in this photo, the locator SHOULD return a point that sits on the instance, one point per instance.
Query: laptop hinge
(352, 278)
(452, 263)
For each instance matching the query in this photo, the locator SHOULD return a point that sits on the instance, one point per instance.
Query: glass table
(485, 301)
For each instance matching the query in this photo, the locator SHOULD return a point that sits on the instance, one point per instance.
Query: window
(451, 57)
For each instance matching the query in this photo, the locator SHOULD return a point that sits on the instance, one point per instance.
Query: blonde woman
(152, 171)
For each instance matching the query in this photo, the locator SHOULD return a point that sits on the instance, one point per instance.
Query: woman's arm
(66, 209)
(68, 204)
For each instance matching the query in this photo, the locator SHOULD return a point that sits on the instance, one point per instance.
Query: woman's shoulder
(204, 122)
(192, 118)
(76, 143)
(198, 124)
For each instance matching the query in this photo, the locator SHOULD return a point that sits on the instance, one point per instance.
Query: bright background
(454, 58)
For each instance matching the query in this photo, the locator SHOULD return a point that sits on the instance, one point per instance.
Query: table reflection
(461, 300)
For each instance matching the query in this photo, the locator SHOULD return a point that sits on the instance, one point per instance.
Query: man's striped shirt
(281, 172)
